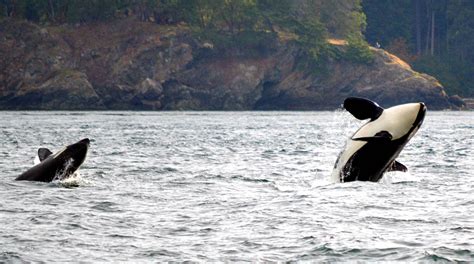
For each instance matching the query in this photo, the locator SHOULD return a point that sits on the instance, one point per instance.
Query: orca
(373, 148)
(58, 166)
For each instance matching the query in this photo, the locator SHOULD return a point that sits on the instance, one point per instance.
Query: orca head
(75, 154)
(401, 121)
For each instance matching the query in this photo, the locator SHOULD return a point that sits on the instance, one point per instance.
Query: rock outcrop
(127, 64)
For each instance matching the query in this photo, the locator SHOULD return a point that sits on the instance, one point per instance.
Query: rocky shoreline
(133, 65)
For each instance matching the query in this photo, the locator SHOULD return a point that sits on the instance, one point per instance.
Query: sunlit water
(232, 186)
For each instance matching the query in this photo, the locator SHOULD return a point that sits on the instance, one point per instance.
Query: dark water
(247, 186)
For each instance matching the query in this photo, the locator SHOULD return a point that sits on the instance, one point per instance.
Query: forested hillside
(227, 24)
(240, 54)
(435, 36)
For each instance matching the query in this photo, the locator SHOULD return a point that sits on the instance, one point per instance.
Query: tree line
(238, 23)
(435, 36)
(340, 17)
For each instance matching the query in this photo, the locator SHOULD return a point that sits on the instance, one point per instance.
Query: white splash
(62, 174)
(75, 180)
(37, 160)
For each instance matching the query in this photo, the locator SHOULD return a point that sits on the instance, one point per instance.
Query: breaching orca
(57, 166)
(372, 150)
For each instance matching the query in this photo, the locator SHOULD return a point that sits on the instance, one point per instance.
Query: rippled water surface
(225, 186)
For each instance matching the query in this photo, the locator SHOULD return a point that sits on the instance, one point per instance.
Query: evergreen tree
(436, 36)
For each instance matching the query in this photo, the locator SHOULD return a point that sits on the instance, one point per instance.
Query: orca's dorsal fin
(397, 166)
(362, 108)
(44, 153)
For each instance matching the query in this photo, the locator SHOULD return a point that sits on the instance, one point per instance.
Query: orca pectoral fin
(44, 153)
(382, 136)
(367, 139)
(397, 166)
(362, 108)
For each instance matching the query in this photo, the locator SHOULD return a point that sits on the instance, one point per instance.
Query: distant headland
(130, 64)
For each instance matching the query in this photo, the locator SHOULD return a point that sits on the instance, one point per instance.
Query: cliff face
(128, 64)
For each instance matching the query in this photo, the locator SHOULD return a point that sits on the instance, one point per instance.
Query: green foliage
(456, 76)
(274, 12)
(200, 13)
(388, 20)
(461, 29)
(312, 38)
(29, 9)
(439, 37)
(251, 25)
(358, 51)
(90, 10)
(342, 18)
(230, 25)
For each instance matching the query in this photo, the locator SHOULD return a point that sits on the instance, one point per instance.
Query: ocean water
(232, 186)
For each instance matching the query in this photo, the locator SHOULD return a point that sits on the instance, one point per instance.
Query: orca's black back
(44, 171)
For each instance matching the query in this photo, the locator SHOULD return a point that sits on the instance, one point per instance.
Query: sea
(232, 187)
